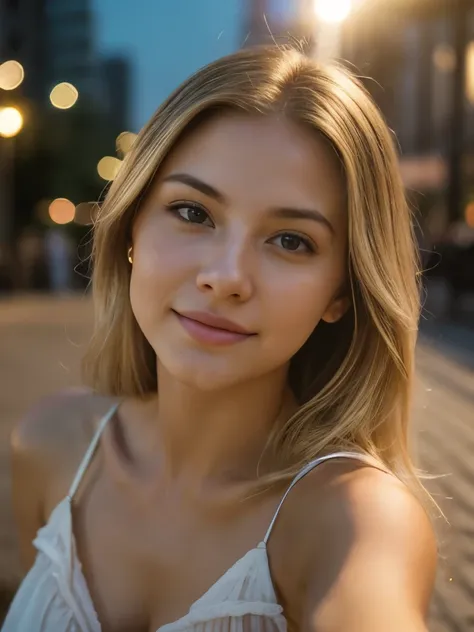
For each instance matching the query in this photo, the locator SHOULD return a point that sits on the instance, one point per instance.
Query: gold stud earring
(130, 254)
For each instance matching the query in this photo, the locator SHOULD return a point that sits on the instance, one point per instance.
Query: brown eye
(292, 242)
(191, 213)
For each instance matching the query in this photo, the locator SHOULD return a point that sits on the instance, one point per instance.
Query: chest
(146, 563)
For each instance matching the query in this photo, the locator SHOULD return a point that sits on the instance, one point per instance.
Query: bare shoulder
(367, 549)
(54, 421)
(368, 496)
(47, 444)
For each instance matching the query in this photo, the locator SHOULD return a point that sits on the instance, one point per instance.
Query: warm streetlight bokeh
(11, 74)
(469, 75)
(125, 142)
(63, 96)
(11, 122)
(108, 167)
(469, 215)
(333, 11)
(61, 211)
(444, 58)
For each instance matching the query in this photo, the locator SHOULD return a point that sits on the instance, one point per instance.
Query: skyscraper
(117, 86)
(70, 47)
(22, 38)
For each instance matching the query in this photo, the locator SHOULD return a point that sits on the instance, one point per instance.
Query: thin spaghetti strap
(308, 468)
(90, 451)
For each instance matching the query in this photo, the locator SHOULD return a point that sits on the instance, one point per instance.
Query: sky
(166, 41)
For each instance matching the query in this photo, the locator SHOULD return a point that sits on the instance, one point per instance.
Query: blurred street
(444, 424)
(42, 340)
(40, 349)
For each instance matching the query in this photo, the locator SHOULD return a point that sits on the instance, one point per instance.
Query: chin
(207, 380)
(205, 373)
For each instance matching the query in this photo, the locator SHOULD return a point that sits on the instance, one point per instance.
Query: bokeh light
(62, 211)
(108, 167)
(469, 78)
(64, 96)
(11, 74)
(11, 122)
(125, 142)
(333, 11)
(86, 213)
(444, 58)
(469, 215)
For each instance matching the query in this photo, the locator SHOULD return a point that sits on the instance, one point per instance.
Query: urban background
(78, 79)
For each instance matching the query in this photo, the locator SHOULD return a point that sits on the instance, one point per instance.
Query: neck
(222, 433)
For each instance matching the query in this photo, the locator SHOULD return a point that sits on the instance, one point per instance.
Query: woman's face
(239, 250)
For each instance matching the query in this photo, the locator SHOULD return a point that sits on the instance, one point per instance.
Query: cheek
(162, 258)
(156, 248)
(296, 301)
(160, 267)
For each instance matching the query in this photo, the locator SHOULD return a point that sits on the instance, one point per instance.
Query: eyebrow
(302, 213)
(197, 184)
(280, 212)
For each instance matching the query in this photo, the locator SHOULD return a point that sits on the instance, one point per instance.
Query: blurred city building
(74, 103)
(420, 63)
(71, 48)
(416, 58)
(73, 57)
(116, 79)
(22, 37)
(22, 40)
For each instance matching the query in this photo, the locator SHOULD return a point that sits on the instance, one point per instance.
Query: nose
(227, 274)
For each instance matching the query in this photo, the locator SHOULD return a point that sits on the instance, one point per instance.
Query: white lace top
(54, 596)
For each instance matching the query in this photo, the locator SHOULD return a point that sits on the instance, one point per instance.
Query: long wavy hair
(353, 379)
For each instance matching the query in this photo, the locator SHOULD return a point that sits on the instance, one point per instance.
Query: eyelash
(309, 245)
(175, 207)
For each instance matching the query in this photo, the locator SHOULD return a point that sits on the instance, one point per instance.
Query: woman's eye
(293, 243)
(192, 214)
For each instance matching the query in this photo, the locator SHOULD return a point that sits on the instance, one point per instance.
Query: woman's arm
(46, 447)
(29, 480)
(374, 562)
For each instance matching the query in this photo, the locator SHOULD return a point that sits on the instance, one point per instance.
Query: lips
(210, 329)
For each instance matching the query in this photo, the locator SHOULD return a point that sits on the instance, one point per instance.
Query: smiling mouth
(211, 334)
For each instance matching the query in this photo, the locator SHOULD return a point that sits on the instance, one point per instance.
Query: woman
(256, 300)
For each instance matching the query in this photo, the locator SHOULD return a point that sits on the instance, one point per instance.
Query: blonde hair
(353, 379)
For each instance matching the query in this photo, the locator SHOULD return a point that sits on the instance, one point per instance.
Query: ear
(336, 310)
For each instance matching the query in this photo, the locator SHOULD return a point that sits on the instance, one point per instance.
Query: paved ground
(41, 342)
(445, 438)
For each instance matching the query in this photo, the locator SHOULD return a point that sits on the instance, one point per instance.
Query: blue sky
(166, 40)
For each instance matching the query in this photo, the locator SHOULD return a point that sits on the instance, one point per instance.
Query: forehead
(261, 156)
